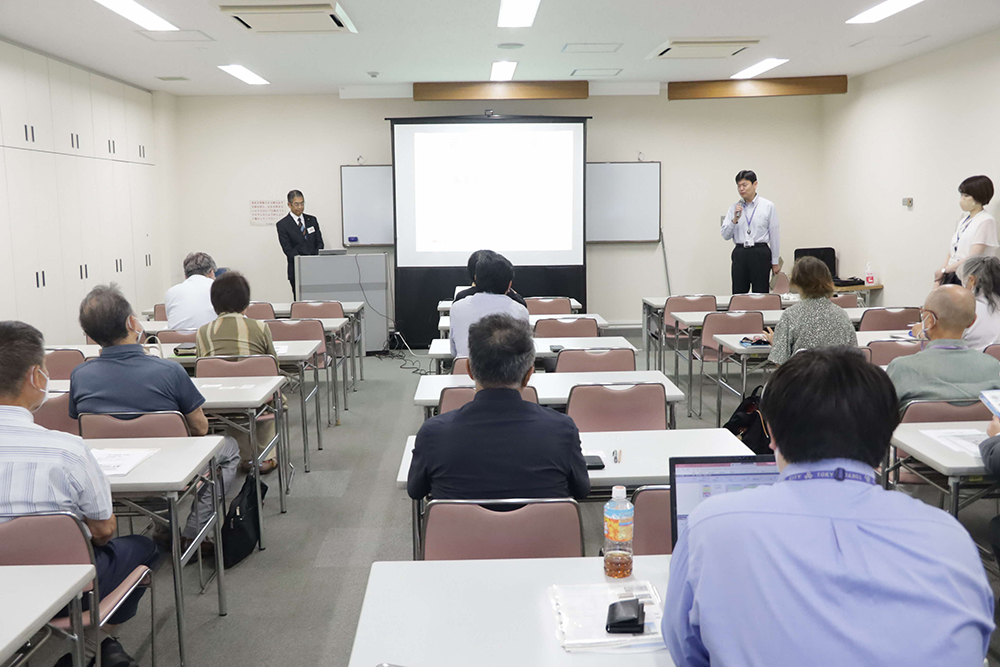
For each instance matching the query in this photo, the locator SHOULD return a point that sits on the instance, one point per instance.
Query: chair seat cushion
(109, 601)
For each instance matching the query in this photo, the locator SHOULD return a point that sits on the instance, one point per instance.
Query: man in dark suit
(298, 233)
(498, 445)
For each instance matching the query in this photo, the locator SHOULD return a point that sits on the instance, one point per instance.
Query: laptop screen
(692, 479)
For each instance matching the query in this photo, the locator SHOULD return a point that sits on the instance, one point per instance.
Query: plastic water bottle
(618, 515)
(869, 275)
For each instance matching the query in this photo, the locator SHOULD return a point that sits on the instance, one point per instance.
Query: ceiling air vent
(319, 17)
(701, 48)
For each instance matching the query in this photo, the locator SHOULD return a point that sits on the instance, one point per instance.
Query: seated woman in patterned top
(815, 321)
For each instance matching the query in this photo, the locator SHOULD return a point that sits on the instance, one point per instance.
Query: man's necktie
(302, 226)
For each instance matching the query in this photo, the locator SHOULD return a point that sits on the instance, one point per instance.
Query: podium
(361, 277)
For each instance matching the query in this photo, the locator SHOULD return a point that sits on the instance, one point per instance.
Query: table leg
(175, 558)
(415, 509)
(255, 470)
(305, 419)
(647, 339)
(352, 346)
(743, 373)
(220, 512)
(362, 347)
(76, 625)
(885, 468)
(319, 404)
(428, 412)
(672, 415)
(336, 395)
(691, 372)
(718, 395)
(661, 344)
(286, 452)
(345, 381)
(677, 356)
(953, 484)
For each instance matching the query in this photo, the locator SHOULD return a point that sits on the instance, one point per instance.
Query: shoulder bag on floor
(241, 531)
(747, 424)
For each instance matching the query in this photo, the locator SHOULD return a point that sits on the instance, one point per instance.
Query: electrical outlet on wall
(908, 202)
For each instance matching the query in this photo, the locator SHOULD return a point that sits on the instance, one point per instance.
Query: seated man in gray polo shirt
(494, 276)
(947, 369)
(125, 379)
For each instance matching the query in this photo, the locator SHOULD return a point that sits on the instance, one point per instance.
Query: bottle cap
(618, 493)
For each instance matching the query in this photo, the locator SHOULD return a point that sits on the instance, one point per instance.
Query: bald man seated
(947, 368)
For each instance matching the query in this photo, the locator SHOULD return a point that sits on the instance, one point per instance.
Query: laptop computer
(694, 478)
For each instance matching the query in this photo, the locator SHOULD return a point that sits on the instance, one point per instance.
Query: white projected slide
(516, 188)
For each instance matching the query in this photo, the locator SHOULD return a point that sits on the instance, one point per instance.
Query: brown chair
(316, 310)
(171, 336)
(60, 538)
(626, 407)
(884, 351)
(133, 425)
(549, 306)
(595, 360)
(160, 312)
(260, 310)
(452, 398)
(580, 327)
(781, 286)
(866, 353)
(923, 411)
(312, 330)
(539, 528)
(889, 319)
(461, 366)
(261, 365)
(672, 329)
(653, 533)
(993, 350)
(845, 300)
(722, 323)
(740, 302)
(61, 362)
(54, 415)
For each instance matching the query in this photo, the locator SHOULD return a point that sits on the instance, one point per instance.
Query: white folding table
(33, 595)
(444, 322)
(487, 613)
(444, 307)
(440, 348)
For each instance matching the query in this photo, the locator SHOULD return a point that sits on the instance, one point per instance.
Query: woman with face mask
(976, 233)
(981, 275)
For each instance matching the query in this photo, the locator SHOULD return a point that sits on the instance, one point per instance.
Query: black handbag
(747, 424)
(241, 531)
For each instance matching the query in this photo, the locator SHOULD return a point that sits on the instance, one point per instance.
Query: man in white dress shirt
(752, 224)
(189, 304)
(494, 276)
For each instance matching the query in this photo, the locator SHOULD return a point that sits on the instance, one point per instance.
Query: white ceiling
(455, 40)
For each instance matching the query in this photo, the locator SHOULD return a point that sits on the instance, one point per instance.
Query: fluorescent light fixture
(244, 75)
(517, 13)
(883, 10)
(503, 70)
(759, 68)
(137, 14)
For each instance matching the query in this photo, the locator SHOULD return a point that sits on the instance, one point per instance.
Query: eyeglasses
(297, 204)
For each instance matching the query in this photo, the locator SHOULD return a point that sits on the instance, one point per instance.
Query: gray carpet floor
(298, 601)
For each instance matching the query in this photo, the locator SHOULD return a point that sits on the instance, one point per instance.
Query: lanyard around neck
(839, 474)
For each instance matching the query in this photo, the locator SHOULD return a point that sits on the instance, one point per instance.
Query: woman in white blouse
(981, 275)
(976, 233)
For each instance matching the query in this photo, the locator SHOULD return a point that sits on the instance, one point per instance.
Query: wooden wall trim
(803, 85)
(500, 90)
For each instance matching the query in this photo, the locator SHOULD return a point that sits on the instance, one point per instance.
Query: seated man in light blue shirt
(825, 567)
(494, 277)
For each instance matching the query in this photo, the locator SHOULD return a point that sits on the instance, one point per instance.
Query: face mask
(46, 389)
(924, 326)
(138, 332)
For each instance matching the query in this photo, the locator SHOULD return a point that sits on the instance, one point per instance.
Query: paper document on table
(582, 615)
(118, 462)
(281, 349)
(959, 439)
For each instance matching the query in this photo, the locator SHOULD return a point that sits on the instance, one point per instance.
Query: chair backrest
(884, 351)
(160, 312)
(631, 407)
(258, 365)
(260, 310)
(173, 336)
(296, 330)
(755, 302)
(845, 300)
(583, 361)
(889, 319)
(653, 533)
(60, 363)
(302, 310)
(781, 283)
(730, 323)
(460, 366)
(529, 394)
(51, 538)
(133, 425)
(555, 306)
(993, 350)
(692, 303)
(580, 327)
(54, 415)
(464, 529)
(452, 398)
(866, 353)
(917, 412)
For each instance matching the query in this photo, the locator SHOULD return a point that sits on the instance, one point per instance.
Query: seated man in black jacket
(471, 266)
(498, 445)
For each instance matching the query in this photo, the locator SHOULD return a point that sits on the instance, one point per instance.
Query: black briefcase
(241, 531)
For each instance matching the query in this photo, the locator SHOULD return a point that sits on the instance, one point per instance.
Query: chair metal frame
(421, 512)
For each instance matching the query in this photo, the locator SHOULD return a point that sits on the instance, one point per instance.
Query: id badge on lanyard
(748, 240)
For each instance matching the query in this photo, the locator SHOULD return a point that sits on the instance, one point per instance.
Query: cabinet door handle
(43, 279)
(26, 133)
(114, 148)
(32, 134)
(37, 282)
(81, 272)
(86, 271)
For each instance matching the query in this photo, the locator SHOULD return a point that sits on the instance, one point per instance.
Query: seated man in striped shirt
(51, 471)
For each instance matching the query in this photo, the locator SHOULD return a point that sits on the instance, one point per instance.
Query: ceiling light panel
(503, 70)
(761, 67)
(244, 75)
(596, 72)
(883, 10)
(591, 48)
(137, 14)
(517, 13)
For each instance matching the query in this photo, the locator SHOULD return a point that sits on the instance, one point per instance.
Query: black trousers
(752, 268)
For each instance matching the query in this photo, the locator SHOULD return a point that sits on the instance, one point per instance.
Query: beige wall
(231, 150)
(916, 129)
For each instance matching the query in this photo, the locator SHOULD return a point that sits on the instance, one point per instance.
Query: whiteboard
(623, 202)
(366, 204)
